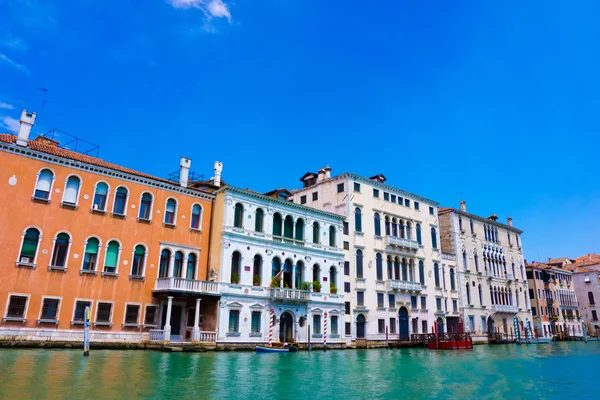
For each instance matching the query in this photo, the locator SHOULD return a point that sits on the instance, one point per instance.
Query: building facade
(391, 251)
(491, 271)
(280, 266)
(79, 232)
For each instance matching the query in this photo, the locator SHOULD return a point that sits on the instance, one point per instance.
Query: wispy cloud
(13, 64)
(14, 43)
(10, 124)
(6, 106)
(210, 8)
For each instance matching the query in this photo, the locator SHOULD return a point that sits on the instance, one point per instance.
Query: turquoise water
(562, 370)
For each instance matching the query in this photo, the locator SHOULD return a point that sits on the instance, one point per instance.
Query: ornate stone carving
(212, 275)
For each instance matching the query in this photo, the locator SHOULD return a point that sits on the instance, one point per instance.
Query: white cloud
(210, 8)
(6, 105)
(10, 123)
(12, 63)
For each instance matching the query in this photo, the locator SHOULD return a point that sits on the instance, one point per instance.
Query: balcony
(403, 285)
(401, 242)
(186, 286)
(504, 309)
(509, 277)
(290, 294)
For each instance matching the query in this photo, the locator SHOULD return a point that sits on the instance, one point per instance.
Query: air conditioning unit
(95, 206)
(26, 260)
(587, 279)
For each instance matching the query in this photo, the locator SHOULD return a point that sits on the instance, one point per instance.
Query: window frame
(156, 314)
(37, 247)
(22, 319)
(356, 187)
(150, 209)
(94, 270)
(340, 188)
(110, 316)
(67, 254)
(114, 213)
(139, 313)
(37, 181)
(100, 210)
(144, 264)
(173, 222)
(69, 204)
(41, 315)
(119, 252)
(82, 322)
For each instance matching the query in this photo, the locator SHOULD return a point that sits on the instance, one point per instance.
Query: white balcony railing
(207, 337)
(403, 285)
(509, 277)
(401, 242)
(186, 285)
(157, 335)
(290, 294)
(499, 308)
(448, 257)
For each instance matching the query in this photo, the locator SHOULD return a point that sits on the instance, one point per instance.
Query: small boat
(271, 349)
(541, 340)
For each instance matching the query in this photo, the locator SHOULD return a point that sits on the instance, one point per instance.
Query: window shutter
(111, 254)
(45, 180)
(139, 250)
(71, 190)
(92, 246)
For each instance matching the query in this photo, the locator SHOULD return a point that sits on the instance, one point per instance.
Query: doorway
(360, 327)
(176, 312)
(440, 325)
(403, 320)
(286, 328)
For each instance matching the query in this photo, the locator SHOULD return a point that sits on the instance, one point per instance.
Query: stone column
(171, 264)
(184, 266)
(196, 330)
(167, 328)
(294, 277)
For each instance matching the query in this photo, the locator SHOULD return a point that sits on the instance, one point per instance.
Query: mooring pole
(308, 327)
(86, 331)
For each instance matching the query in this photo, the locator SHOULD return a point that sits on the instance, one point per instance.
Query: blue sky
(497, 100)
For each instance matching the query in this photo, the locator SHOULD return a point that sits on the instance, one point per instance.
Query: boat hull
(266, 349)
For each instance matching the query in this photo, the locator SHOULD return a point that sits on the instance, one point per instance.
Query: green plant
(275, 282)
(316, 286)
(305, 286)
(332, 288)
(256, 280)
(235, 278)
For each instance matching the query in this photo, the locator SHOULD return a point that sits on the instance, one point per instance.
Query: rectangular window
(393, 198)
(483, 328)
(16, 307)
(255, 328)
(334, 325)
(438, 304)
(340, 188)
(376, 193)
(594, 315)
(431, 211)
(150, 318)
(346, 287)
(392, 300)
(380, 300)
(346, 245)
(400, 200)
(348, 328)
(413, 302)
(50, 309)
(423, 303)
(316, 324)
(407, 202)
(416, 205)
(471, 323)
(381, 326)
(103, 312)
(347, 308)
(303, 199)
(360, 298)
(531, 294)
(386, 196)
(424, 326)
(346, 267)
(79, 314)
(392, 325)
(454, 306)
(132, 314)
(357, 187)
(346, 228)
(234, 321)
(534, 311)
(315, 196)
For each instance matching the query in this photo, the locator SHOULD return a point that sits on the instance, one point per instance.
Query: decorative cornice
(482, 219)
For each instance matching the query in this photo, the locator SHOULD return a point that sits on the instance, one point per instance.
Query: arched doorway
(403, 321)
(286, 327)
(490, 325)
(440, 325)
(360, 327)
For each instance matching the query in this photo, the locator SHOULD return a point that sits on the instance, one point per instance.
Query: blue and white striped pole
(516, 323)
(528, 330)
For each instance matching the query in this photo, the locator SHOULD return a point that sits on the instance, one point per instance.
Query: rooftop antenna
(39, 119)
(461, 195)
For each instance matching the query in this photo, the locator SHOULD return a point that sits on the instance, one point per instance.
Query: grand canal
(562, 370)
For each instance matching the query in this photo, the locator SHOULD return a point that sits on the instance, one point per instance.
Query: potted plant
(275, 282)
(316, 286)
(305, 286)
(332, 289)
(235, 278)
(256, 280)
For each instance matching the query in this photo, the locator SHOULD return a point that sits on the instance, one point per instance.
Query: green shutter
(233, 320)
(92, 246)
(140, 250)
(112, 253)
(256, 322)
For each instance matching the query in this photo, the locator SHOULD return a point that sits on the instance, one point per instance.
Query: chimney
(321, 175)
(327, 172)
(27, 121)
(509, 221)
(217, 177)
(463, 206)
(184, 171)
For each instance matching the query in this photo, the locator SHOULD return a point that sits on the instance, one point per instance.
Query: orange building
(79, 232)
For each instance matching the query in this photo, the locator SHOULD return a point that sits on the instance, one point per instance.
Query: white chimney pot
(27, 121)
(184, 171)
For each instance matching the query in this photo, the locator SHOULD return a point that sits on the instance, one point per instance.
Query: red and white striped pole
(325, 333)
(271, 329)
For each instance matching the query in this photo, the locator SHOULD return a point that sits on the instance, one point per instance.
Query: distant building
(586, 277)
(491, 272)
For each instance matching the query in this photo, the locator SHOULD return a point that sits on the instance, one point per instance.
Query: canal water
(562, 370)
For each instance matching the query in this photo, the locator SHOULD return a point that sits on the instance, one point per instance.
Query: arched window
(332, 278)
(299, 268)
(476, 259)
(394, 227)
(288, 227)
(436, 274)
(316, 274)
(257, 270)
(178, 265)
(170, 211)
(480, 295)
(411, 270)
(236, 261)
(397, 268)
(460, 226)
(196, 216)
(120, 201)
(377, 220)
(260, 220)
(71, 193)
(421, 272)
(28, 253)
(238, 216)
(191, 266)
(452, 282)
(316, 232)
(409, 231)
(145, 206)
(359, 263)
(468, 294)
(357, 219)
(299, 230)
(61, 250)
(387, 226)
(90, 256)
(379, 266)
(275, 266)
(418, 233)
(277, 222)
(112, 256)
(404, 270)
(44, 184)
(465, 260)
(139, 260)
(100, 197)
(591, 298)
(401, 226)
(433, 238)
(332, 236)
(390, 268)
(165, 259)
(514, 271)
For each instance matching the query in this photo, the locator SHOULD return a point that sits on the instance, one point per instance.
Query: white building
(491, 271)
(256, 238)
(391, 244)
